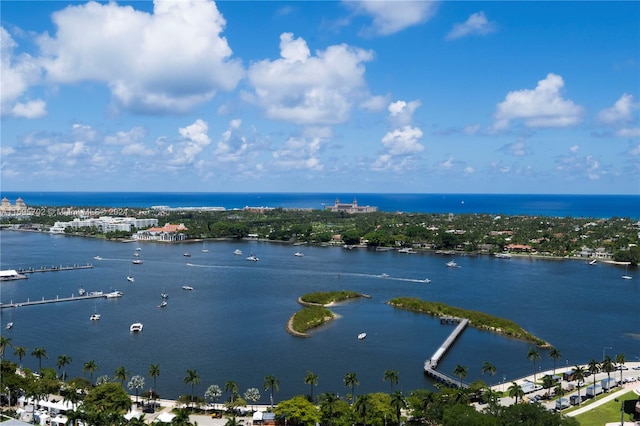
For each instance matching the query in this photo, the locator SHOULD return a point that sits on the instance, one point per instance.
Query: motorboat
(502, 256)
(9, 325)
(96, 293)
(427, 280)
(135, 327)
(162, 304)
(136, 254)
(593, 262)
(137, 262)
(187, 287)
(114, 294)
(253, 258)
(164, 295)
(406, 250)
(81, 291)
(94, 317)
(384, 275)
(237, 252)
(130, 279)
(452, 264)
(362, 336)
(138, 248)
(186, 254)
(97, 257)
(298, 254)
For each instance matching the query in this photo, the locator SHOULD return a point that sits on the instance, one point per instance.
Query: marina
(54, 268)
(44, 301)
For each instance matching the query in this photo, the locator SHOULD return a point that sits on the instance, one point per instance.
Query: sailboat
(130, 277)
(204, 248)
(626, 276)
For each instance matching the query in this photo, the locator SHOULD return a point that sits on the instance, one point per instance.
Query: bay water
(231, 326)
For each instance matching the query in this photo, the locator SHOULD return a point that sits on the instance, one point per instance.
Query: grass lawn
(609, 412)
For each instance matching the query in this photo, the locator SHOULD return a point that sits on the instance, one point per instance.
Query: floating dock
(431, 364)
(56, 300)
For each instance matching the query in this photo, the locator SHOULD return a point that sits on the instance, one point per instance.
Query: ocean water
(232, 325)
(596, 206)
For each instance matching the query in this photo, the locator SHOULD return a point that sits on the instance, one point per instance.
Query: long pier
(56, 300)
(54, 268)
(431, 364)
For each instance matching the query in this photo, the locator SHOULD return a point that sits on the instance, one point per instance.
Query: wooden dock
(431, 364)
(45, 301)
(54, 268)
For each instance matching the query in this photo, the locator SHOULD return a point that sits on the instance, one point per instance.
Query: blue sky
(321, 96)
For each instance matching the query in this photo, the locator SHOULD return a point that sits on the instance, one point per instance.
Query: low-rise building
(350, 208)
(104, 224)
(169, 232)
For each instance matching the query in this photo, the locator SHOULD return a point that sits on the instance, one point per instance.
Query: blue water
(596, 206)
(232, 325)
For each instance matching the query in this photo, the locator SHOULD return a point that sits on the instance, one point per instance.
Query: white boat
(135, 327)
(204, 248)
(81, 291)
(427, 280)
(97, 257)
(96, 293)
(186, 254)
(593, 262)
(187, 287)
(502, 255)
(138, 248)
(452, 264)
(384, 275)
(237, 252)
(406, 250)
(94, 317)
(137, 262)
(130, 279)
(362, 336)
(9, 325)
(299, 254)
(164, 295)
(114, 294)
(162, 304)
(136, 254)
(253, 258)
(626, 276)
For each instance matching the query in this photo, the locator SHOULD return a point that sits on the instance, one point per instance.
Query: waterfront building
(18, 210)
(350, 208)
(169, 232)
(104, 224)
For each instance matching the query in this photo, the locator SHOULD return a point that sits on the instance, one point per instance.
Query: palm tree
(21, 352)
(594, 368)
(533, 356)
(398, 402)
(608, 366)
(271, 383)
(232, 388)
(136, 383)
(90, 367)
(328, 403)
(253, 395)
(39, 353)
(578, 376)
(154, 372)
(620, 360)
(555, 355)
(392, 376)
(351, 380)
(460, 371)
(4, 343)
(547, 382)
(121, 374)
(362, 407)
(192, 379)
(515, 391)
(487, 367)
(311, 380)
(63, 360)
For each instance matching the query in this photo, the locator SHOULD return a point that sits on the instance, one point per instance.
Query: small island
(480, 320)
(314, 313)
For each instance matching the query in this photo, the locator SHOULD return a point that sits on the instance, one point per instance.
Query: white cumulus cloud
(621, 111)
(306, 89)
(543, 106)
(168, 61)
(194, 140)
(403, 141)
(401, 112)
(392, 16)
(476, 24)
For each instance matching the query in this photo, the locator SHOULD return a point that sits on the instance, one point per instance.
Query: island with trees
(314, 312)
(480, 320)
